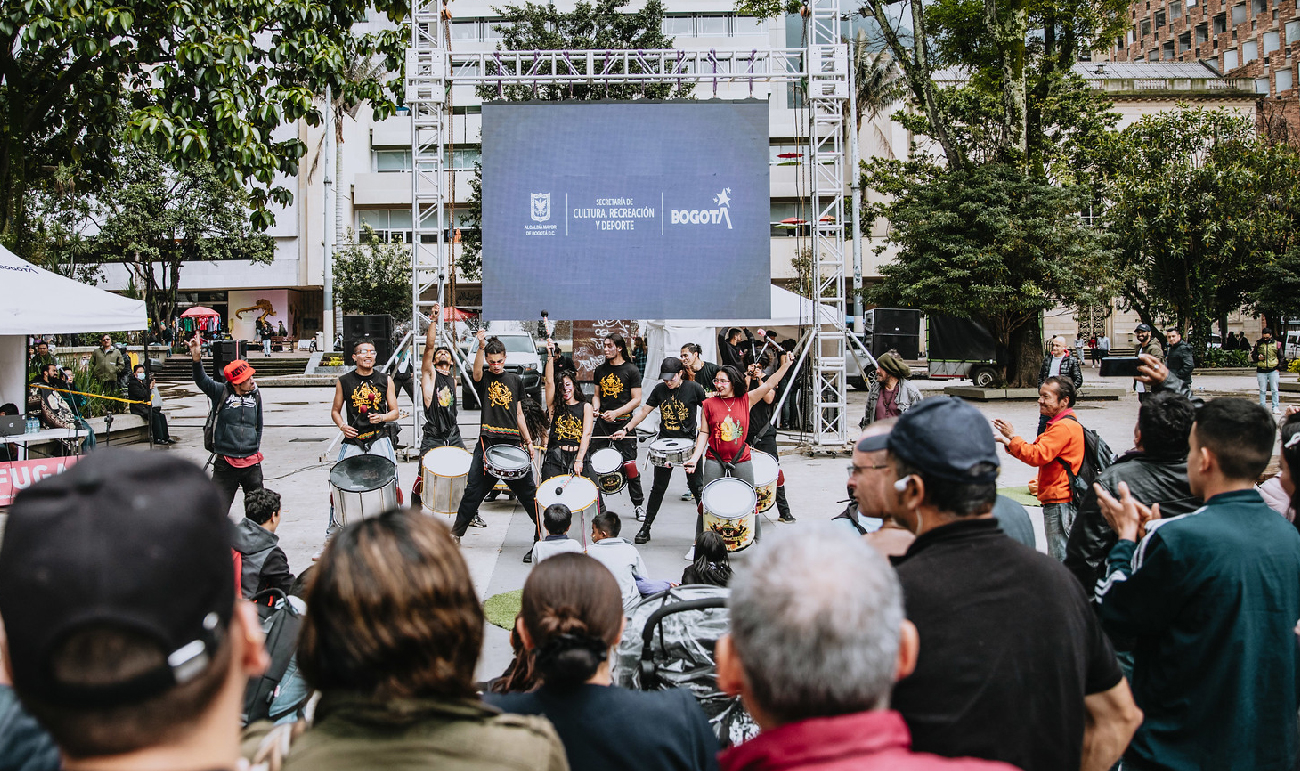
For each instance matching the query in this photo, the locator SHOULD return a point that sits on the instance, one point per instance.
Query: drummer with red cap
(235, 438)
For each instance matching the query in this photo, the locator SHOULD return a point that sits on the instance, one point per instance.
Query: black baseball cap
(945, 437)
(133, 540)
(671, 366)
(1143, 327)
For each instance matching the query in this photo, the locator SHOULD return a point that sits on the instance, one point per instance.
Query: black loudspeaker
(376, 330)
(907, 346)
(224, 352)
(896, 321)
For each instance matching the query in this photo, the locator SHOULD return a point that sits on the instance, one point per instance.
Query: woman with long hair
(391, 638)
(571, 421)
(571, 617)
(724, 423)
(712, 564)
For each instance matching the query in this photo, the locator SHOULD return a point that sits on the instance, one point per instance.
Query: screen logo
(541, 207)
(706, 216)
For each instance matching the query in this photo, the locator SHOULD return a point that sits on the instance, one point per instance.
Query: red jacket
(1062, 438)
(864, 741)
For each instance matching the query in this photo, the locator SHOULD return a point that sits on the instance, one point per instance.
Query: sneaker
(639, 514)
(477, 521)
(456, 538)
(643, 536)
(785, 518)
(686, 496)
(528, 556)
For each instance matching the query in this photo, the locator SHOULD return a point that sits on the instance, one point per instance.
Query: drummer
(502, 422)
(365, 402)
(762, 431)
(572, 418)
(724, 421)
(677, 400)
(438, 388)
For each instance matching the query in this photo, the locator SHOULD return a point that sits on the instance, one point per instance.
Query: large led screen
(642, 210)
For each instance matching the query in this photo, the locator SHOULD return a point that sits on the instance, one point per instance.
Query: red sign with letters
(21, 474)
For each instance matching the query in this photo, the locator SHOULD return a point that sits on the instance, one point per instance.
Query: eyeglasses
(855, 468)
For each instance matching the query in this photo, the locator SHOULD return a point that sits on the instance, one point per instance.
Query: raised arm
(428, 376)
(550, 375)
(772, 381)
(206, 384)
(481, 336)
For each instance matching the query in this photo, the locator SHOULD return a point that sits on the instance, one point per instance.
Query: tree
(990, 244)
(202, 81)
(372, 277)
(1202, 212)
(877, 81)
(154, 217)
(602, 26)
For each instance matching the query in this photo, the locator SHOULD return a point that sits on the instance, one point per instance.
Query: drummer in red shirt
(724, 422)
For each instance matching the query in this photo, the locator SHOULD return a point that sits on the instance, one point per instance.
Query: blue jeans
(1267, 380)
(1058, 518)
(382, 447)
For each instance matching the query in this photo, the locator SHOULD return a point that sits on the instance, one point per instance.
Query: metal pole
(855, 188)
(327, 302)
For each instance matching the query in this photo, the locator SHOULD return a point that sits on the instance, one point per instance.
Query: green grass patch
(501, 609)
(1020, 495)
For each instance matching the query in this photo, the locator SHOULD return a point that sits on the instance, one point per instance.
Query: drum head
(766, 467)
(362, 472)
(606, 461)
(448, 461)
(671, 445)
(508, 456)
(573, 491)
(729, 498)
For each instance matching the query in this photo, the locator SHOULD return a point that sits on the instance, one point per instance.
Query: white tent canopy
(36, 301)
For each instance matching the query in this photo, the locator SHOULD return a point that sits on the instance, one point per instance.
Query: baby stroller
(669, 642)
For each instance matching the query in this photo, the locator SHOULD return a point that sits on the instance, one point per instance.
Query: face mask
(140, 376)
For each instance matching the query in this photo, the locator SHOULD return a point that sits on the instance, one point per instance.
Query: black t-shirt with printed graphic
(677, 409)
(566, 426)
(363, 396)
(614, 384)
(441, 412)
(704, 377)
(499, 395)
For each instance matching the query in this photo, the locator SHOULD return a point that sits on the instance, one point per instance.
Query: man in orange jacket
(1060, 443)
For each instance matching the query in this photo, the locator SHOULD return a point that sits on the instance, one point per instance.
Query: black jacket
(1180, 361)
(238, 432)
(1070, 368)
(1150, 480)
(263, 564)
(138, 390)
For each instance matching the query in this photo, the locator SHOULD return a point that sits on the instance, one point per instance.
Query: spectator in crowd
(1060, 445)
(1280, 491)
(263, 564)
(1268, 360)
(1014, 665)
(142, 387)
(1079, 345)
(1209, 602)
(890, 394)
(41, 357)
(1059, 363)
(1149, 346)
(237, 425)
(1155, 470)
(1180, 360)
(834, 607)
(730, 353)
(557, 518)
(571, 616)
(107, 365)
(639, 353)
(712, 563)
(391, 638)
(868, 514)
(77, 401)
(123, 633)
(1103, 347)
(617, 555)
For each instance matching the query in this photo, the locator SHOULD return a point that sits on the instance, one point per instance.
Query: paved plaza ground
(298, 431)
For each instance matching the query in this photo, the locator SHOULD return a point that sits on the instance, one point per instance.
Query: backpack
(1097, 457)
(210, 425)
(280, 623)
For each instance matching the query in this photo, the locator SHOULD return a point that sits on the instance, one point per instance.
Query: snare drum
(507, 461)
(445, 471)
(666, 453)
(766, 471)
(607, 465)
(363, 486)
(578, 493)
(728, 505)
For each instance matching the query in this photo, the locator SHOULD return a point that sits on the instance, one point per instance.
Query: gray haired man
(817, 639)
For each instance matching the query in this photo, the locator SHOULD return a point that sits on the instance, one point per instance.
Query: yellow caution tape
(83, 393)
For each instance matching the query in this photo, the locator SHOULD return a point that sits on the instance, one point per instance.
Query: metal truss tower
(432, 68)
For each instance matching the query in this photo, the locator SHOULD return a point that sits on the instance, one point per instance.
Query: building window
(1153, 55)
(1284, 81)
(1249, 51)
(390, 225)
(1258, 6)
(786, 154)
(1239, 14)
(1229, 60)
(1202, 33)
(747, 25)
(789, 218)
(464, 158)
(1272, 42)
(1167, 52)
(1185, 42)
(1130, 37)
(1261, 86)
(1146, 28)
(711, 25)
(392, 160)
(1220, 24)
(1293, 31)
(1160, 19)
(464, 30)
(1176, 9)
